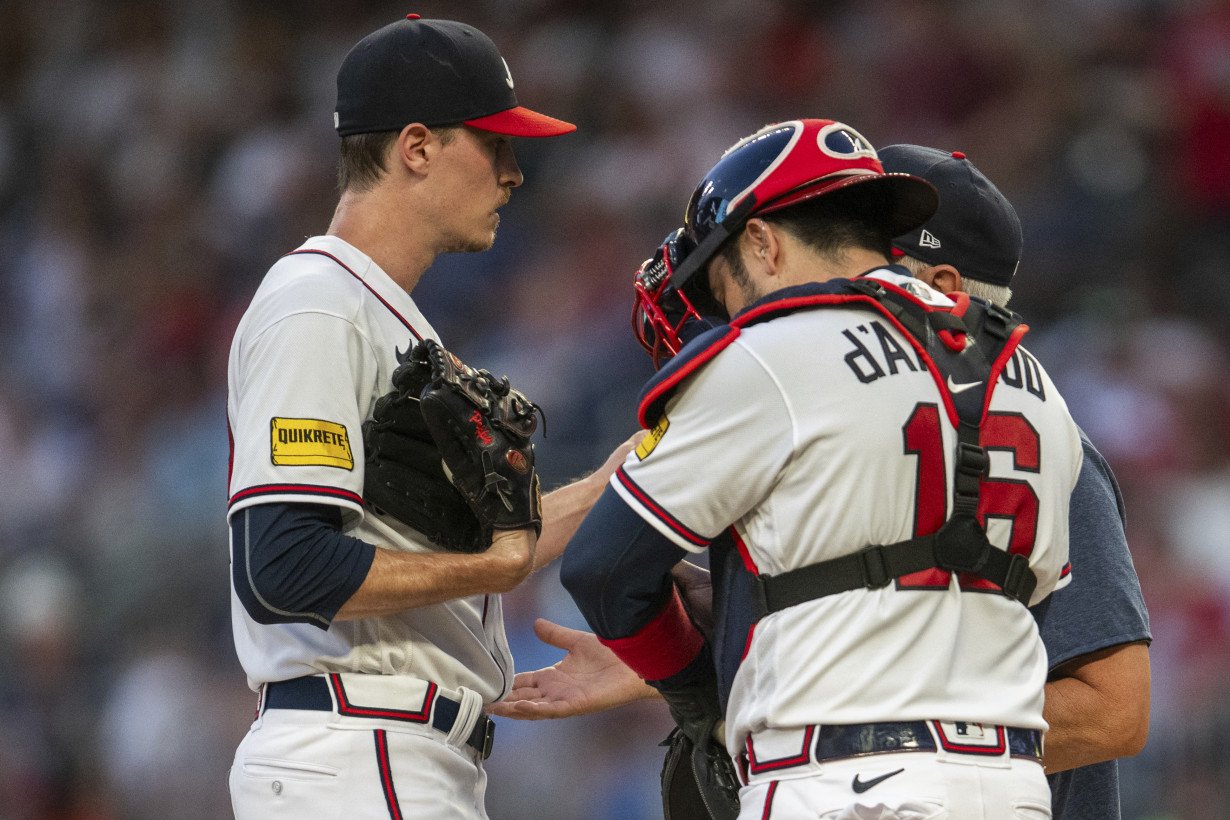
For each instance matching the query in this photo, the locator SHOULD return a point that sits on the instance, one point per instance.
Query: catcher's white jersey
(819, 433)
(313, 352)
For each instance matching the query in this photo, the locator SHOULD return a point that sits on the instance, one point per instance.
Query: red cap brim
(522, 122)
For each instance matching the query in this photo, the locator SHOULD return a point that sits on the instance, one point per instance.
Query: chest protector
(965, 344)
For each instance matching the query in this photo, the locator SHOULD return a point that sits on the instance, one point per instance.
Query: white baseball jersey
(311, 355)
(821, 432)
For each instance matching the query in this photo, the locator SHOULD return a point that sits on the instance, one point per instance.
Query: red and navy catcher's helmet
(778, 166)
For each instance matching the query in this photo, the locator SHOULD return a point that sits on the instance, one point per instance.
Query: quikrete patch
(652, 438)
(300, 442)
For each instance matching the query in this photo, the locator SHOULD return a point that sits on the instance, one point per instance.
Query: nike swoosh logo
(953, 387)
(861, 786)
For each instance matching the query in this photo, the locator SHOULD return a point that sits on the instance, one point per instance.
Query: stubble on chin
(472, 244)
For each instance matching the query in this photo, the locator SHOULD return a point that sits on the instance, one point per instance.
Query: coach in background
(1096, 629)
(365, 603)
(872, 652)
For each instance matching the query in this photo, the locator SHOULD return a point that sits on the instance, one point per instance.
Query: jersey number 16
(1004, 498)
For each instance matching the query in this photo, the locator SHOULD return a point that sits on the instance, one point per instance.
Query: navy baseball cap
(976, 229)
(437, 72)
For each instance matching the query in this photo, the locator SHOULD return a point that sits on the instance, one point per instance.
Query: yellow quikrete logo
(652, 438)
(310, 442)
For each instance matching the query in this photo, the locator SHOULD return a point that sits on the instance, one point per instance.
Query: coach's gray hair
(995, 294)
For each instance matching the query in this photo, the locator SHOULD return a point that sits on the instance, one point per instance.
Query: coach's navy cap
(976, 229)
(437, 72)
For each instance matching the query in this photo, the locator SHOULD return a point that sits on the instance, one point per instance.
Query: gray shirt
(1102, 607)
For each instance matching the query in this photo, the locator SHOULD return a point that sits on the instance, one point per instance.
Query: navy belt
(312, 693)
(838, 741)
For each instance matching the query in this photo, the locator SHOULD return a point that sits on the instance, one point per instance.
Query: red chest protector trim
(928, 328)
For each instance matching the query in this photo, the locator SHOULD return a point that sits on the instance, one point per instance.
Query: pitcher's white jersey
(821, 432)
(313, 352)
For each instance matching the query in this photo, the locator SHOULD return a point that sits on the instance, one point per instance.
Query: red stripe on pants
(386, 774)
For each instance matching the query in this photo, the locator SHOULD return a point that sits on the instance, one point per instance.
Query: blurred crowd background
(157, 157)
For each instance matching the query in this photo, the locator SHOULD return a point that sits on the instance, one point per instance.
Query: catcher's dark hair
(838, 220)
(362, 159)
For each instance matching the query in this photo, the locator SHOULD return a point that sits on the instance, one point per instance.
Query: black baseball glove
(698, 782)
(482, 428)
(404, 476)
(698, 776)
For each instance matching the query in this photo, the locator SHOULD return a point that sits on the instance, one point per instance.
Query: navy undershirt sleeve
(617, 568)
(290, 563)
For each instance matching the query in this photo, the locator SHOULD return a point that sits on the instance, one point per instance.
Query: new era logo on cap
(982, 234)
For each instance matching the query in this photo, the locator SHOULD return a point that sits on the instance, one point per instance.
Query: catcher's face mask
(660, 309)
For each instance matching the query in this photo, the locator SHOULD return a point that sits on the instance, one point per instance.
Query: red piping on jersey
(663, 647)
(795, 302)
(768, 800)
(1066, 571)
(345, 707)
(658, 512)
(386, 774)
(747, 644)
(799, 759)
(230, 451)
(750, 565)
(295, 489)
(683, 372)
(1000, 363)
(362, 282)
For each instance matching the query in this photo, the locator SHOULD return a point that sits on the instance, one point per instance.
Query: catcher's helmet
(778, 166)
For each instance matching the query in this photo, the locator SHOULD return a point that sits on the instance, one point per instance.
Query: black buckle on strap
(874, 566)
(998, 322)
(972, 459)
(870, 287)
(1019, 581)
(962, 546)
(940, 320)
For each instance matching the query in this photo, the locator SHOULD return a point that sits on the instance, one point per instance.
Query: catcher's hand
(482, 428)
(403, 476)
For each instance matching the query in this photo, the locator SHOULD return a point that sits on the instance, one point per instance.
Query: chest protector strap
(961, 544)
